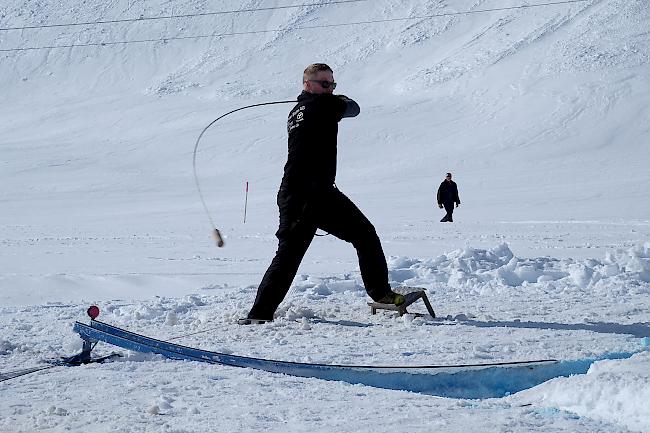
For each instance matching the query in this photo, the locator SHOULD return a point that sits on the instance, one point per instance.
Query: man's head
(448, 176)
(318, 78)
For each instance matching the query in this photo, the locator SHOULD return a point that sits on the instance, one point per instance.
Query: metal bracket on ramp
(410, 298)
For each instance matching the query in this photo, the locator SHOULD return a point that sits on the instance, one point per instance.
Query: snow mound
(487, 270)
(612, 390)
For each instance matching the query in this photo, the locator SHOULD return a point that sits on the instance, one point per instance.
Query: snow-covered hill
(541, 112)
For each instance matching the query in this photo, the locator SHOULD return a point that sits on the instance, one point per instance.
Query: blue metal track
(459, 381)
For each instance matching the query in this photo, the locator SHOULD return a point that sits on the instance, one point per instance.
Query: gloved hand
(440, 205)
(457, 204)
(352, 108)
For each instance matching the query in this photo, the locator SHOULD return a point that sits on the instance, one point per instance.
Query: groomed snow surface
(542, 114)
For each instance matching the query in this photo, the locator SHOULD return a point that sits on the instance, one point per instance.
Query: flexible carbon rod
(216, 233)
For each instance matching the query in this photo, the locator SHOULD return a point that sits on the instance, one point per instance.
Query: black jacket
(313, 127)
(448, 192)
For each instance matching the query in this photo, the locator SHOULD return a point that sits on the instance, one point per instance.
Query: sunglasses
(325, 84)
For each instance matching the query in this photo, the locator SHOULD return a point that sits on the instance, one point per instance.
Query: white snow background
(541, 113)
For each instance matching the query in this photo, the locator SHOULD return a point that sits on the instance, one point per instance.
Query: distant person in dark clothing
(447, 197)
(309, 200)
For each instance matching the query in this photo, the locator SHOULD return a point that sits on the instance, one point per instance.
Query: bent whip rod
(216, 234)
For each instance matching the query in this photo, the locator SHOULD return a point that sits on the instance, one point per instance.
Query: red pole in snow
(246, 202)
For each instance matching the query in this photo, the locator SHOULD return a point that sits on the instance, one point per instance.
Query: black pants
(334, 213)
(449, 207)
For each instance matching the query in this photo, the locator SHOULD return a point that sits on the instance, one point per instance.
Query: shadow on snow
(639, 330)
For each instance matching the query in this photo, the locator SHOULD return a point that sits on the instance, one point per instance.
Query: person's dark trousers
(449, 207)
(334, 213)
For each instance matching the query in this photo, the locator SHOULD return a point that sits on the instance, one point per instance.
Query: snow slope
(541, 113)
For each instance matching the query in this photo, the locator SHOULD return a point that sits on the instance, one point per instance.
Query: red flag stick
(246, 202)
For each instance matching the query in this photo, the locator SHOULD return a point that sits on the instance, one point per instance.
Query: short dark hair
(313, 69)
(448, 175)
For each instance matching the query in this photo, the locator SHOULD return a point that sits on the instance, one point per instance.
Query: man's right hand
(440, 205)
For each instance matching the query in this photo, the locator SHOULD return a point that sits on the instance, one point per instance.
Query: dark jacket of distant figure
(312, 127)
(448, 193)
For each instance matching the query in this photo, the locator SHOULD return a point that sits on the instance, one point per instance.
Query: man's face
(448, 177)
(315, 84)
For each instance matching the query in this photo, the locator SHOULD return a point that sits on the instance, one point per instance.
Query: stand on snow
(401, 309)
